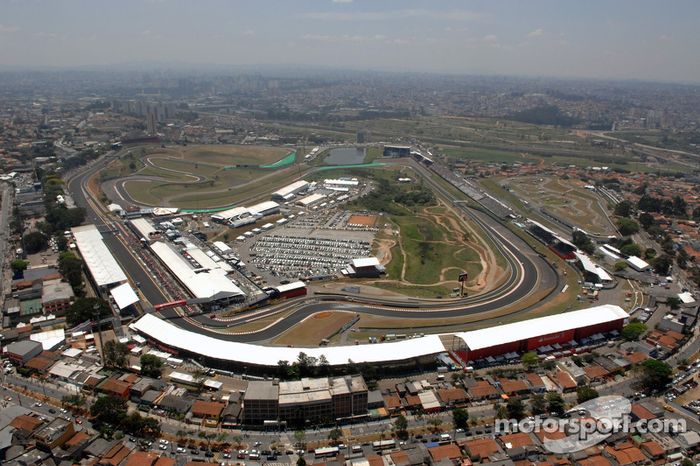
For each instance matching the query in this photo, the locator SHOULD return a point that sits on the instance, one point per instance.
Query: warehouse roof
(637, 263)
(291, 188)
(291, 286)
(365, 262)
(211, 284)
(231, 213)
(176, 337)
(310, 199)
(124, 295)
(263, 207)
(102, 265)
(502, 334)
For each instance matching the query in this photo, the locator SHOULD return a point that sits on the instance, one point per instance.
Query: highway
(529, 272)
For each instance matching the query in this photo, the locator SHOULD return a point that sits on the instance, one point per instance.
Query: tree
(109, 410)
(662, 264)
(335, 434)
(583, 242)
(34, 242)
(682, 258)
(529, 359)
(460, 418)
(84, 309)
(649, 253)
(151, 366)
(623, 209)
(696, 213)
(537, 404)
(633, 330)
(283, 369)
(627, 226)
(300, 437)
(585, 393)
(401, 426)
(515, 408)
(620, 266)
(115, 354)
(631, 249)
(646, 220)
(673, 302)
(18, 267)
(555, 403)
(656, 375)
(301, 461)
(71, 268)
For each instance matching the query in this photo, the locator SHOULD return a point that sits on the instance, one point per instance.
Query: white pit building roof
(211, 285)
(502, 334)
(99, 260)
(246, 353)
(124, 296)
(144, 227)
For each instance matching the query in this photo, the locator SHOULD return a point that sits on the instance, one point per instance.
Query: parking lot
(299, 253)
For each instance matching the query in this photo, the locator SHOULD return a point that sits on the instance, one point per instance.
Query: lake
(345, 156)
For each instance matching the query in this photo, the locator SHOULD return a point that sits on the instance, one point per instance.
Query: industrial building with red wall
(528, 335)
(290, 290)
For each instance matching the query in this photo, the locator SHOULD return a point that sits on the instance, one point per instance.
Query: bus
(326, 452)
(383, 445)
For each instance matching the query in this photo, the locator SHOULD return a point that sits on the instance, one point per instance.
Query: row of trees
(110, 414)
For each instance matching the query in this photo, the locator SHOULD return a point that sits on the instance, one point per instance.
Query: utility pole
(96, 309)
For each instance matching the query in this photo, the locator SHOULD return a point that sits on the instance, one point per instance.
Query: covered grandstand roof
(590, 267)
(212, 284)
(124, 295)
(502, 334)
(193, 342)
(551, 232)
(99, 260)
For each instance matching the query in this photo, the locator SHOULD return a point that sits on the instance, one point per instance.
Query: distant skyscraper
(151, 121)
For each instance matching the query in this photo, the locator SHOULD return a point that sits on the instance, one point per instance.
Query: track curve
(529, 272)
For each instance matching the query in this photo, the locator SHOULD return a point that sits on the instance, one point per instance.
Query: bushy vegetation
(544, 115)
(395, 199)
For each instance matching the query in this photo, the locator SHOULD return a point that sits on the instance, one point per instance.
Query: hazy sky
(585, 38)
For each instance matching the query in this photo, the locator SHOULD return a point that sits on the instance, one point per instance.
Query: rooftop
(102, 265)
(502, 334)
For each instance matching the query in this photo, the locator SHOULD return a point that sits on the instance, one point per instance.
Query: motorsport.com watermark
(593, 421)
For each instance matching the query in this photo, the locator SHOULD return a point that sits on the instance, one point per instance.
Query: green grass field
(203, 176)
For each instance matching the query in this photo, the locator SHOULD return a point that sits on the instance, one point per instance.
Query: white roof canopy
(102, 265)
(246, 353)
(212, 284)
(124, 296)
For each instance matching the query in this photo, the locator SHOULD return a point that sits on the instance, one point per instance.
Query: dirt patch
(312, 330)
(362, 220)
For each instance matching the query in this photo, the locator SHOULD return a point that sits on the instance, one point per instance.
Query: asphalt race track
(529, 272)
